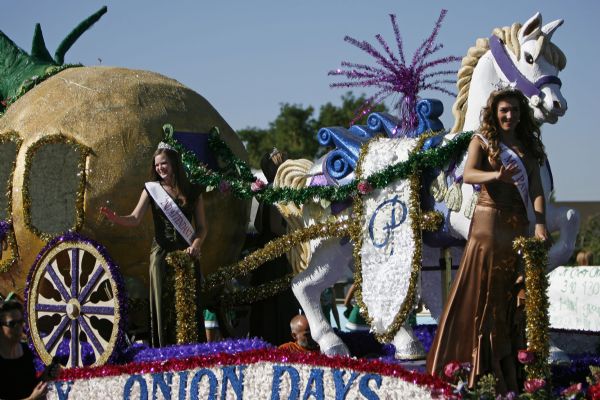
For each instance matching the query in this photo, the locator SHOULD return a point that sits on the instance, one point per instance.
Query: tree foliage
(589, 236)
(294, 130)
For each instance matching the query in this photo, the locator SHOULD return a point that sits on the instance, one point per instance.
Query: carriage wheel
(74, 303)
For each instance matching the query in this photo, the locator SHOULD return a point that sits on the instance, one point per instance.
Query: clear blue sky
(247, 57)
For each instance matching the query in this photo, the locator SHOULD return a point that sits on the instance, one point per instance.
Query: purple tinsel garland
(62, 353)
(144, 353)
(392, 75)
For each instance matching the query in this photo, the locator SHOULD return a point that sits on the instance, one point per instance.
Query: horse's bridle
(512, 73)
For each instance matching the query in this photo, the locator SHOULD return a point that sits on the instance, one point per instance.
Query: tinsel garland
(79, 206)
(10, 234)
(185, 296)
(274, 249)
(431, 220)
(34, 81)
(415, 213)
(241, 188)
(211, 359)
(198, 172)
(258, 293)
(113, 350)
(535, 257)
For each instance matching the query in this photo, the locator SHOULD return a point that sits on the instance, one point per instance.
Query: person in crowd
(175, 204)
(482, 322)
(329, 306)
(356, 321)
(303, 341)
(585, 258)
(17, 369)
(269, 318)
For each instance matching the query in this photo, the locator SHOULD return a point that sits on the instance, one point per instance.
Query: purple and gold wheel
(74, 303)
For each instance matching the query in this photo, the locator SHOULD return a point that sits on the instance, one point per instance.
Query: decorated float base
(244, 369)
(254, 369)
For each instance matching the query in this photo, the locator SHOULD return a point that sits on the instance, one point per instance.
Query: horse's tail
(294, 174)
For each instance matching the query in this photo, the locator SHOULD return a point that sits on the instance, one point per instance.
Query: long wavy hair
(180, 180)
(527, 130)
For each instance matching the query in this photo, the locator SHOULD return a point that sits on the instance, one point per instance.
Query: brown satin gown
(480, 323)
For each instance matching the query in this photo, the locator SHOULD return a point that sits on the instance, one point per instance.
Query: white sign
(388, 242)
(574, 294)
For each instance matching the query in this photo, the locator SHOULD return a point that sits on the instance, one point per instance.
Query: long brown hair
(527, 130)
(180, 180)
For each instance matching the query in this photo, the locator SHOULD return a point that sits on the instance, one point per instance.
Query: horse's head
(536, 63)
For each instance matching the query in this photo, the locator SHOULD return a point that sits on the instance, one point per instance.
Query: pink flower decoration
(364, 187)
(224, 187)
(451, 369)
(526, 356)
(572, 390)
(533, 385)
(258, 185)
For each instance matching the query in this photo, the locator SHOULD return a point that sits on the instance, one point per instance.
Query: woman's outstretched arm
(132, 219)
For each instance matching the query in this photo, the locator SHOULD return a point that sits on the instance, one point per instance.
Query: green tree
(332, 115)
(294, 130)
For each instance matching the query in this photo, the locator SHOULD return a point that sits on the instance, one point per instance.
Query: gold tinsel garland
(258, 293)
(79, 201)
(10, 237)
(431, 221)
(535, 256)
(274, 249)
(185, 296)
(416, 226)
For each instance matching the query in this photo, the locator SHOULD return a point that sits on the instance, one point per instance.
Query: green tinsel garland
(241, 188)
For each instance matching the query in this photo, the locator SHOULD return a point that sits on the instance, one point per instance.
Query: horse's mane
(509, 35)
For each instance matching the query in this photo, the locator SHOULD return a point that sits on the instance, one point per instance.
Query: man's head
(301, 332)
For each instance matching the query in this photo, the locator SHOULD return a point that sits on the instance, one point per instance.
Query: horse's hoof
(336, 350)
(414, 351)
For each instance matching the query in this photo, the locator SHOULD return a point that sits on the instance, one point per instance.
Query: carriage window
(53, 184)
(8, 154)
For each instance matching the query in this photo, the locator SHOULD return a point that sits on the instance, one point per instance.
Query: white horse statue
(520, 55)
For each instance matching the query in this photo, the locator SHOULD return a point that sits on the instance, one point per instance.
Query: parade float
(393, 187)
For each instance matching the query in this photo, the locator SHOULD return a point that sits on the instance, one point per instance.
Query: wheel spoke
(60, 330)
(51, 308)
(74, 344)
(90, 334)
(74, 272)
(57, 283)
(91, 284)
(97, 310)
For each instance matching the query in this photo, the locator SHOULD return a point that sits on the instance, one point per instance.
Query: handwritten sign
(574, 294)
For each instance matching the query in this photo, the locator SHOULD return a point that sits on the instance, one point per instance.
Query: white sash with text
(171, 210)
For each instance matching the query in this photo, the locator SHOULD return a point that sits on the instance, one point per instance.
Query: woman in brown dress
(480, 323)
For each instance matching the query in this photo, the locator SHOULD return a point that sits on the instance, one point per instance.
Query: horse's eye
(528, 58)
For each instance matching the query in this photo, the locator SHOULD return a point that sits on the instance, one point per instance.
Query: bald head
(301, 332)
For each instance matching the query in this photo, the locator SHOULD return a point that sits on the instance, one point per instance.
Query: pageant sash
(171, 210)
(509, 157)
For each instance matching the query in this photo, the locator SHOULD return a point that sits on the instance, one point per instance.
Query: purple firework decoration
(392, 75)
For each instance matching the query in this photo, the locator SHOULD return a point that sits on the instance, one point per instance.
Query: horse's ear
(531, 29)
(549, 28)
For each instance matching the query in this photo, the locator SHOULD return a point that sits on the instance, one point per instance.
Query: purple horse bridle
(513, 75)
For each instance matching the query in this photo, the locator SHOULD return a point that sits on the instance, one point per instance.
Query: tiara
(501, 85)
(163, 145)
